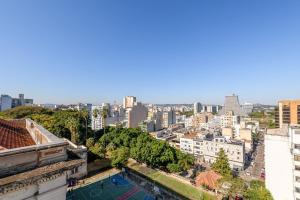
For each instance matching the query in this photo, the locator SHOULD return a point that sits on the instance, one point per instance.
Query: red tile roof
(13, 134)
(208, 178)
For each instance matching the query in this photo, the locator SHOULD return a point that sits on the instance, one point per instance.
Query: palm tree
(186, 161)
(73, 125)
(104, 115)
(95, 115)
(85, 114)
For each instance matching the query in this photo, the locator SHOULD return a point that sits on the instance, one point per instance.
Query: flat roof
(278, 131)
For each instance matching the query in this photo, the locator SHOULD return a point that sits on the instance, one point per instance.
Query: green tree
(96, 113)
(98, 150)
(73, 125)
(120, 157)
(85, 115)
(185, 161)
(104, 115)
(257, 191)
(173, 167)
(221, 165)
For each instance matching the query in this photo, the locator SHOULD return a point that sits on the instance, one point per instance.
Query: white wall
(279, 167)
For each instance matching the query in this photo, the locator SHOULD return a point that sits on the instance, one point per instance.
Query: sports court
(115, 187)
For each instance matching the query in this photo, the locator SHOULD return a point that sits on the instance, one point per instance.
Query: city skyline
(161, 52)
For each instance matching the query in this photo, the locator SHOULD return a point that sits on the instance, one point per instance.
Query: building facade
(129, 101)
(282, 162)
(207, 149)
(197, 107)
(135, 115)
(288, 112)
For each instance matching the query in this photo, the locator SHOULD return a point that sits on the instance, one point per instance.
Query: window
(297, 168)
(297, 157)
(297, 189)
(297, 146)
(238, 153)
(74, 171)
(297, 178)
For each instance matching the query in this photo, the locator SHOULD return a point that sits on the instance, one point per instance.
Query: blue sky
(162, 51)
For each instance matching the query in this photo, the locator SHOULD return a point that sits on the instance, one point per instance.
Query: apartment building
(129, 101)
(207, 149)
(169, 118)
(201, 118)
(282, 162)
(288, 112)
(229, 119)
(135, 115)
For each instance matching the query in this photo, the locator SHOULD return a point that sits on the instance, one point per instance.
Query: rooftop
(13, 134)
(208, 178)
(42, 171)
(284, 131)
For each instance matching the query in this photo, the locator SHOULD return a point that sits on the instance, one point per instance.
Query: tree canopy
(221, 165)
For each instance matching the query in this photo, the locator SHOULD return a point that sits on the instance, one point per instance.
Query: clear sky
(162, 51)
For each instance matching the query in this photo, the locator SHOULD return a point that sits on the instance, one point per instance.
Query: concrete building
(247, 108)
(129, 101)
(206, 149)
(35, 164)
(5, 102)
(282, 162)
(245, 134)
(229, 119)
(135, 115)
(197, 107)
(147, 126)
(21, 101)
(288, 112)
(201, 118)
(228, 132)
(169, 118)
(232, 104)
(212, 108)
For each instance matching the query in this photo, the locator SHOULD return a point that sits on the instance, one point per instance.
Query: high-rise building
(169, 118)
(232, 104)
(197, 107)
(6, 102)
(282, 162)
(135, 115)
(288, 112)
(129, 101)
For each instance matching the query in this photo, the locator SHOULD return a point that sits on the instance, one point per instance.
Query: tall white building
(129, 101)
(197, 107)
(282, 162)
